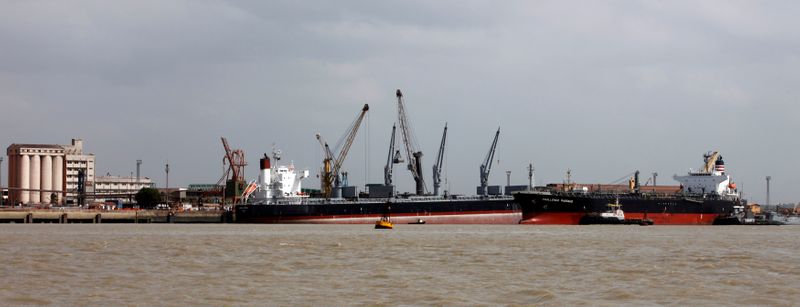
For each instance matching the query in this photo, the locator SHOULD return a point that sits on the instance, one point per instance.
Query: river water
(222, 264)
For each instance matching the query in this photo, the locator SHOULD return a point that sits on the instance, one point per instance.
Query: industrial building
(45, 173)
(117, 187)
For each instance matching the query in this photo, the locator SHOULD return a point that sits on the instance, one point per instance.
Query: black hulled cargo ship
(704, 198)
(433, 210)
(277, 197)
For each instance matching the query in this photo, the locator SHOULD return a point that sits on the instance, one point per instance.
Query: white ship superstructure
(278, 184)
(710, 180)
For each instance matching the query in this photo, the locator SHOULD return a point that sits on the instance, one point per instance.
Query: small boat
(613, 216)
(418, 221)
(384, 223)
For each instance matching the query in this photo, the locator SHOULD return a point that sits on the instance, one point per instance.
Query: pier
(25, 216)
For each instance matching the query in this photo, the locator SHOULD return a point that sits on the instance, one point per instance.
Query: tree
(148, 198)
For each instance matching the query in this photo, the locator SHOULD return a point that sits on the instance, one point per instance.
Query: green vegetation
(148, 198)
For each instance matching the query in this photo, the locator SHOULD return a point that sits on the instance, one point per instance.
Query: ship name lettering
(556, 200)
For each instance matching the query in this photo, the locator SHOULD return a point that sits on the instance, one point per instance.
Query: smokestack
(265, 162)
(138, 168)
(265, 170)
(768, 179)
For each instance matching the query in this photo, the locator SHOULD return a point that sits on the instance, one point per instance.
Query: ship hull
(568, 209)
(488, 211)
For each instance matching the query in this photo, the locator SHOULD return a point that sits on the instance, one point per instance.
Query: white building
(117, 187)
(77, 161)
(37, 172)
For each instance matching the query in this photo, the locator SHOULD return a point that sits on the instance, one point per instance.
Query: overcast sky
(600, 87)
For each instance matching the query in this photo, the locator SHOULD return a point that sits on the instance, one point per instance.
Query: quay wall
(122, 216)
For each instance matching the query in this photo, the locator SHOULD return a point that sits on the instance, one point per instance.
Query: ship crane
(486, 167)
(437, 168)
(332, 164)
(327, 165)
(710, 159)
(414, 156)
(393, 158)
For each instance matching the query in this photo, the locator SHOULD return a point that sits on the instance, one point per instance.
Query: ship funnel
(719, 165)
(265, 174)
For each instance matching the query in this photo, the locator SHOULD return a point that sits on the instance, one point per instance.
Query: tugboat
(384, 223)
(613, 216)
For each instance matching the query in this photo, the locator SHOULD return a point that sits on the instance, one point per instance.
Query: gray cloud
(602, 88)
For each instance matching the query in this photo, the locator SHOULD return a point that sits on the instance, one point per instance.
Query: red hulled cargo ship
(705, 197)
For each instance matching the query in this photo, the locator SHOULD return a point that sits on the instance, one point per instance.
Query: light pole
(167, 187)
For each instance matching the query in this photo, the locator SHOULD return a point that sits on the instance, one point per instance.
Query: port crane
(414, 156)
(486, 167)
(234, 159)
(437, 168)
(333, 163)
(393, 158)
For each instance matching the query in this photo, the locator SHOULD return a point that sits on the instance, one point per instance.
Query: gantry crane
(235, 168)
(331, 163)
(393, 158)
(486, 167)
(414, 156)
(437, 168)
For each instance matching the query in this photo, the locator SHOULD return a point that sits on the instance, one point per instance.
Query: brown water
(412, 264)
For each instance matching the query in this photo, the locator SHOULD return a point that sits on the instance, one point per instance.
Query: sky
(602, 88)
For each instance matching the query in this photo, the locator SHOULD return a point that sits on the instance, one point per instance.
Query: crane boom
(228, 153)
(486, 167)
(327, 163)
(393, 158)
(414, 156)
(236, 164)
(711, 159)
(437, 168)
(331, 171)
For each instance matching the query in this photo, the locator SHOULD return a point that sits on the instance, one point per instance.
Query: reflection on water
(412, 264)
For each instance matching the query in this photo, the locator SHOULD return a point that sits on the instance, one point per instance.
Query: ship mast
(530, 176)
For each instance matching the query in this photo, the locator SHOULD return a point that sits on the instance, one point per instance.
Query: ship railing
(317, 201)
(645, 194)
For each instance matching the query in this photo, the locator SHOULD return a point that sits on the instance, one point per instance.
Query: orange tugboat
(384, 223)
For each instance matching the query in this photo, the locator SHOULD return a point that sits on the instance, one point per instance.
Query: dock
(24, 216)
